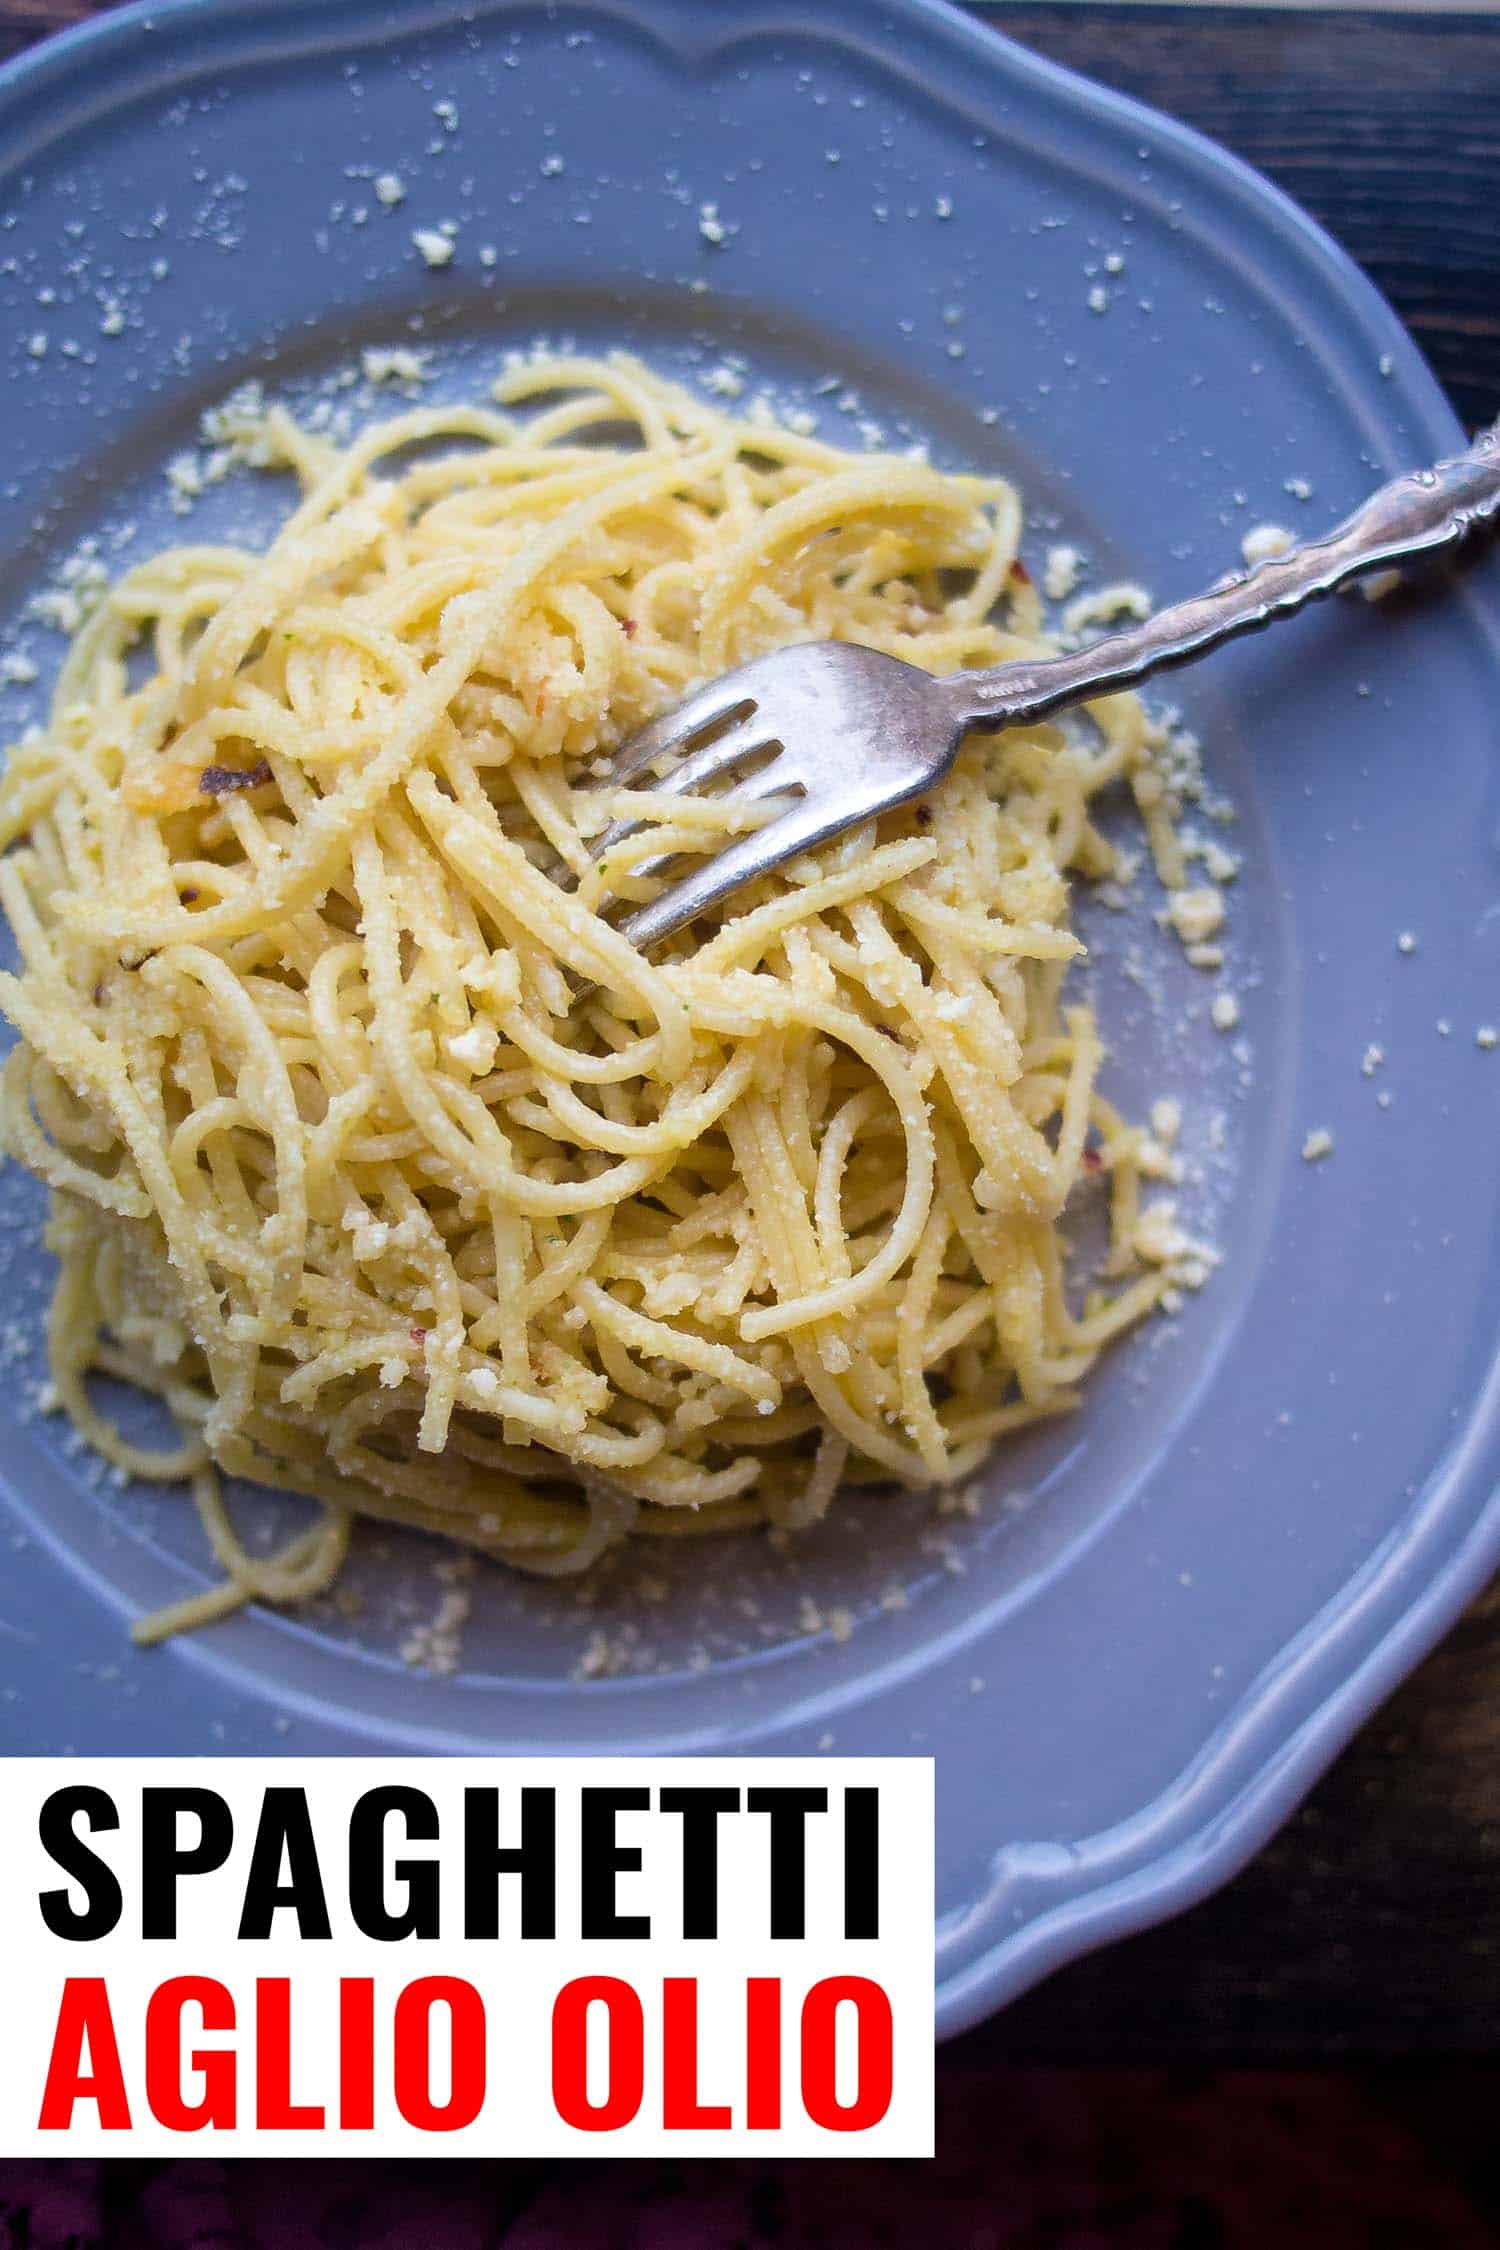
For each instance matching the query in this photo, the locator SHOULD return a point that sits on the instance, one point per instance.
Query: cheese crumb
(1264, 541)
(1061, 574)
(474, 1048)
(1225, 1011)
(185, 481)
(1318, 1144)
(1379, 584)
(389, 189)
(1166, 1120)
(1406, 942)
(1219, 865)
(437, 1645)
(1196, 915)
(436, 249)
(1159, 1238)
(1372, 1058)
(368, 1238)
(1486, 1035)
(397, 365)
(595, 1660)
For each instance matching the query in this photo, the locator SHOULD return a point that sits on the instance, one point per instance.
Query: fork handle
(1414, 515)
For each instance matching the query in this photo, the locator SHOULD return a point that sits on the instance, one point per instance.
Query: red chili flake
(628, 627)
(923, 816)
(217, 781)
(1092, 1160)
(418, 1335)
(189, 896)
(1019, 571)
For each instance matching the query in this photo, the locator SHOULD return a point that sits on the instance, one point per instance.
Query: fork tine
(806, 823)
(720, 700)
(741, 741)
(771, 781)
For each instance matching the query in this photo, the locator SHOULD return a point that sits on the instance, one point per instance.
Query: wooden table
(1371, 1926)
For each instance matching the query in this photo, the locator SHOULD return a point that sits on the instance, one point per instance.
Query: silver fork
(852, 732)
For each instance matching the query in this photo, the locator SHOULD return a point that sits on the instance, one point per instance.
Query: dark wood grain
(21, 21)
(1371, 1925)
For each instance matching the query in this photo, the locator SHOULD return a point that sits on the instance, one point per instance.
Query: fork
(849, 732)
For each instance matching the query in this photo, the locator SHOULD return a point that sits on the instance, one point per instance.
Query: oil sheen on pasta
(341, 1166)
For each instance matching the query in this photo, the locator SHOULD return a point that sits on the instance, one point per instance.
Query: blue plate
(1162, 1620)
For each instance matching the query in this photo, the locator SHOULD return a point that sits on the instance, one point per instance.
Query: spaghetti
(345, 1164)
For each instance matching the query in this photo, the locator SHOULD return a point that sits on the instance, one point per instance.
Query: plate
(1161, 1621)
